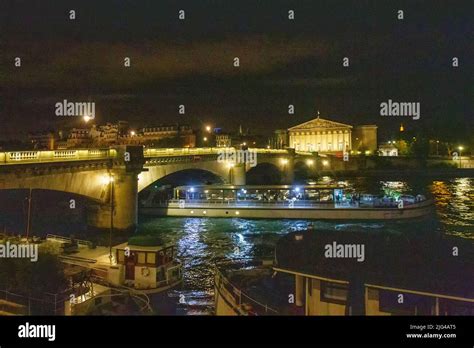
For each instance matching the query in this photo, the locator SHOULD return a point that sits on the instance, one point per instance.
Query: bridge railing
(159, 152)
(16, 157)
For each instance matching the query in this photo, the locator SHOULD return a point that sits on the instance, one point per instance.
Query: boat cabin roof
(257, 187)
(142, 248)
(422, 263)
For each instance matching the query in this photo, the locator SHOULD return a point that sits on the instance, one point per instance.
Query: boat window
(389, 301)
(151, 258)
(141, 257)
(120, 255)
(333, 292)
(161, 258)
(326, 195)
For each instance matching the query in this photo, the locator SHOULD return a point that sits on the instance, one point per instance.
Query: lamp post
(460, 148)
(111, 182)
(437, 147)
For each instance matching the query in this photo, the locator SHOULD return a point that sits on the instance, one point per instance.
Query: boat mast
(29, 215)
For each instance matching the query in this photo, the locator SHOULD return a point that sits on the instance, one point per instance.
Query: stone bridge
(113, 177)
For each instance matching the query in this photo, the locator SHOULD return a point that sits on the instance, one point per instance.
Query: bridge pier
(120, 212)
(288, 171)
(238, 176)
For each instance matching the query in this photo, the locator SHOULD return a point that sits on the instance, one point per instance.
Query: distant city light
(284, 161)
(460, 148)
(191, 189)
(86, 118)
(205, 139)
(268, 146)
(132, 133)
(309, 162)
(208, 128)
(297, 189)
(325, 163)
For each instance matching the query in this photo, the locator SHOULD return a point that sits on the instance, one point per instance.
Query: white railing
(17, 157)
(196, 151)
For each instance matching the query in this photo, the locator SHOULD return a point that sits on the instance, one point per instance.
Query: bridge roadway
(120, 172)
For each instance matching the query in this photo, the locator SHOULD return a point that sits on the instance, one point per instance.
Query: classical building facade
(320, 135)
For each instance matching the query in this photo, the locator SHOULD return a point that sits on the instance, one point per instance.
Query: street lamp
(86, 118)
(205, 139)
(208, 129)
(309, 162)
(109, 180)
(460, 148)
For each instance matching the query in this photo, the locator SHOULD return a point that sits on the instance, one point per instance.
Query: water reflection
(202, 241)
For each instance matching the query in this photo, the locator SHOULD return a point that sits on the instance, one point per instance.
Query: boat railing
(54, 237)
(170, 279)
(245, 304)
(293, 203)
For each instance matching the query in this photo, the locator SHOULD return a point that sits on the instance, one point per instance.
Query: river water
(204, 241)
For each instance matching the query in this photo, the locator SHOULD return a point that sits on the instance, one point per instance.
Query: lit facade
(320, 135)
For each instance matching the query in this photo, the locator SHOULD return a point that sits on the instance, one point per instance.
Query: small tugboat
(322, 202)
(331, 273)
(143, 263)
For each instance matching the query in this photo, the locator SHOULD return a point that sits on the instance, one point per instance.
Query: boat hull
(409, 212)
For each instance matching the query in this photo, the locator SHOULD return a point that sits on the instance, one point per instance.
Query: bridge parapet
(19, 157)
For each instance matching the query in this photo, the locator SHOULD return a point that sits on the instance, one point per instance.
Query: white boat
(321, 202)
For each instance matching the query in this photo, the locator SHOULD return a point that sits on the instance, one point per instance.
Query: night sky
(282, 62)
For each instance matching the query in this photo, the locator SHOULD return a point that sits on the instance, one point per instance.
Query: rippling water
(203, 241)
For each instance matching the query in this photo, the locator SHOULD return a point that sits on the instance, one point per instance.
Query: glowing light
(297, 189)
(86, 118)
(284, 161)
(208, 129)
(205, 139)
(367, 152)
(325, 163)
(237, 213)
(309, 162)
(460, 148)
(132, 133)
(192, 211)
(106, 179)
(191, 189)
(268, 146)
(245, 144)
(204, 212)
(230, 164)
